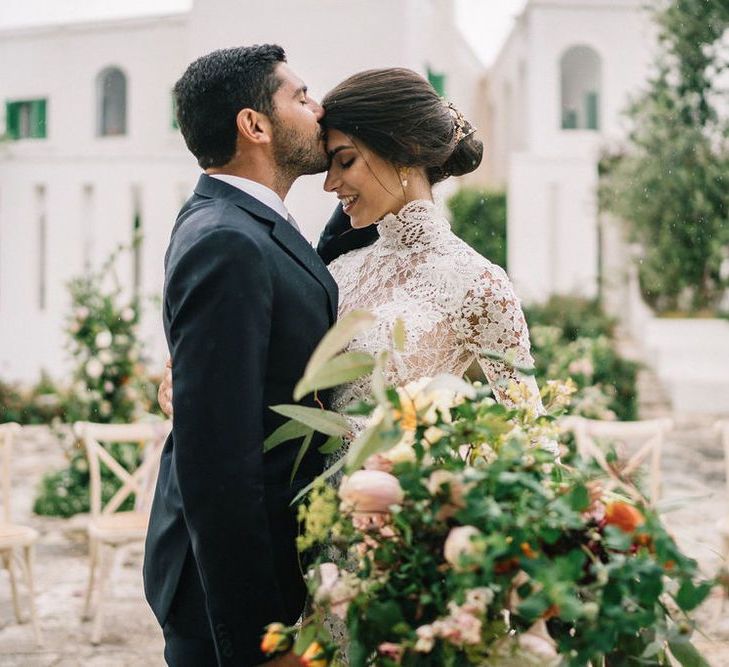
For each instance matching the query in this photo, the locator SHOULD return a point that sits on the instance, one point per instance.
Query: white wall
(551, 173)
(91, 183)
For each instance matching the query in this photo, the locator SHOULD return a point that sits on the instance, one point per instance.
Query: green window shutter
(438, 81)
(569, 119)
(11, 119)
(38, 119)
(591, 111)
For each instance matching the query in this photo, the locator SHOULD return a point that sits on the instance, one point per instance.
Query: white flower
(106, 357)
(461, 541)
(103, 339)
(122, 339)
(127, 315)
(402, 452)
(433, 434)
(82, 312)
(426, 639)
(108, 386)
(105, 408)
(94, 368)
(478, 599)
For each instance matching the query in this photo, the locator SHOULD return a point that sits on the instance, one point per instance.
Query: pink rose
(391, 650)
(371, 491)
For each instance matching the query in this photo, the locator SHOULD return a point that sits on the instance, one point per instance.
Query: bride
(390, 138)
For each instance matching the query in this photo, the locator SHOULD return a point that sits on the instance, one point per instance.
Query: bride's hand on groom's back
(164, 393)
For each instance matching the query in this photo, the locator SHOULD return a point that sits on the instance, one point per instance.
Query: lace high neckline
(418, 223)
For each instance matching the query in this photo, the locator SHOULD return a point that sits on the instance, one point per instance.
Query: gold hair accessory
(459, 132)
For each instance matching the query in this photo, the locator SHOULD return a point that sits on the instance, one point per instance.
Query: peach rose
(371, 491)
(461, 541)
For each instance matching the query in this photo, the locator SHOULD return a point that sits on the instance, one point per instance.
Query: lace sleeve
(492, 321)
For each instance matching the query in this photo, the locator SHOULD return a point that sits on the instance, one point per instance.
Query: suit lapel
(282, 232)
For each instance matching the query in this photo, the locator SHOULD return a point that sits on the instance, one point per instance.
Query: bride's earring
(403, 174)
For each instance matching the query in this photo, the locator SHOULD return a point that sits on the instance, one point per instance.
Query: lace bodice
(454, 304)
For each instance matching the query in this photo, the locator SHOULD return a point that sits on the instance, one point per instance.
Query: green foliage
(66, 492)
(669, 185)
(110, 384)
(479, 218)
(573, 338)
(39, 404)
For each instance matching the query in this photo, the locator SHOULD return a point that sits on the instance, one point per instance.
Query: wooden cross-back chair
(16, 541)
(590, 434)
(110, 529)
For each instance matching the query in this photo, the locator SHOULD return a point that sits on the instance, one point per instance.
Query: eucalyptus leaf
(331, 470)
(338, 337)
(686, 653)
(399, 335)
(287, 431)
(331, 445)
(342, 368)
(302, 452)
(369, 442)
(320, 420)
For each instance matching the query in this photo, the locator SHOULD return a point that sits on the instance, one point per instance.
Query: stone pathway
(693, 482)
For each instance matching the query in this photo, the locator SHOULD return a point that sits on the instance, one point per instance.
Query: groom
(246, 300)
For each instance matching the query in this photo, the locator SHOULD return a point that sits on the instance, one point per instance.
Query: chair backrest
(650, 433)
(722, 428)
(7, 435)
(149, 435)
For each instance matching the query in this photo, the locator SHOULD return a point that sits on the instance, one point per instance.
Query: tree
(670, 184)
(479, 218)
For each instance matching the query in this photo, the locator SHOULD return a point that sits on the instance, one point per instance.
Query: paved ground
(693, 474)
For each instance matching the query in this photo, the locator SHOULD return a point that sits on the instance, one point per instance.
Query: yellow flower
(276, 639)
(314, 656)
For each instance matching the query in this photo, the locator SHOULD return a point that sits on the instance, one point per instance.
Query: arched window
(111, 96)
(580, 80)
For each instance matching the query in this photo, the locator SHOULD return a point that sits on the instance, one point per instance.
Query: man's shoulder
(209, 221)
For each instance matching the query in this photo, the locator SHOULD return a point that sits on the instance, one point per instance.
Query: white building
(556, 94)
(93, 155)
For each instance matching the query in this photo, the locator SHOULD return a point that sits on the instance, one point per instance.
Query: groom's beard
(297, 154)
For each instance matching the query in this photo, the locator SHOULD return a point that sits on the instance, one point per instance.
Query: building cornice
(130, 23)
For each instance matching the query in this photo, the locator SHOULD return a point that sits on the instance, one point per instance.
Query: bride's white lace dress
(454, 303)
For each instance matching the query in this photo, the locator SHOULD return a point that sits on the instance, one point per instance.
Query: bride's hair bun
(465, 158)
(399, 115)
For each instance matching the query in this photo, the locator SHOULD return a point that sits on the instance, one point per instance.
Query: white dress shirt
(256, 190)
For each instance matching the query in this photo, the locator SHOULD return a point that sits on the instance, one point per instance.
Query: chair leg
(105, 564)
(7, 557)
(28, 563)
(93, 558)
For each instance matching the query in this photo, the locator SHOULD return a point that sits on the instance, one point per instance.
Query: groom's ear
(253, 126)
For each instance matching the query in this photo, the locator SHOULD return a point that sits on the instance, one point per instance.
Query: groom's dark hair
(215, 88)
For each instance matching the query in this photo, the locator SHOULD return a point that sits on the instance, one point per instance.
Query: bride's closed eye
(348, 163)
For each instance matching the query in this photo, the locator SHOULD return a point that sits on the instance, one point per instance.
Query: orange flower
(624, 516)
(527, 550)
(276, 639)
(314, 656)
(407, 415)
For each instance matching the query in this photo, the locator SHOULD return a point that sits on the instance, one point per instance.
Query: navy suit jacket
(246, 301)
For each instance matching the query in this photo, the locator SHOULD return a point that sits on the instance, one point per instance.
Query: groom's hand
(289, 659)
(164, 393)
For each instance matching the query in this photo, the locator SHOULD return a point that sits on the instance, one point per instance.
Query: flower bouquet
(455, 538)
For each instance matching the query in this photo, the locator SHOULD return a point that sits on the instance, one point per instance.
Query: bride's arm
(493, 322)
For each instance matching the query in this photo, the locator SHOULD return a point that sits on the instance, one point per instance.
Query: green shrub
(110, 384)
(573, 338)
(479, 218)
